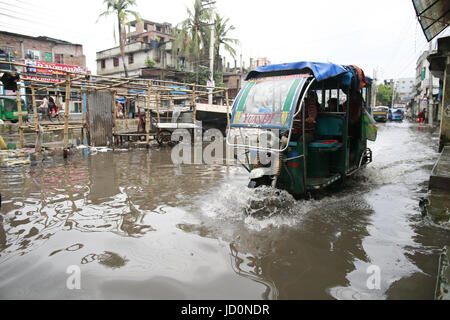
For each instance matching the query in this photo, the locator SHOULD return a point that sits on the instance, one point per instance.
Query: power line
(47, 25)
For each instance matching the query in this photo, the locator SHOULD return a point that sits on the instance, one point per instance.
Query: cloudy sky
(381, 34)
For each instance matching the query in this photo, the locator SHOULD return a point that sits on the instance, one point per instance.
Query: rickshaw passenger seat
(329, 132)
(329, 127)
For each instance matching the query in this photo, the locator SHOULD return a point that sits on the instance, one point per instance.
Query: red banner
(42, 79)
(34, 67)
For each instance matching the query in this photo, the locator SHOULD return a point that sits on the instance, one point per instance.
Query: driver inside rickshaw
(311, 106)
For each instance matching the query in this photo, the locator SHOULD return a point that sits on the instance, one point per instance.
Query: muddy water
(139, 227)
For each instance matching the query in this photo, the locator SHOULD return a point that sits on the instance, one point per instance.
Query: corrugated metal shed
(433, 15)
(100, 118)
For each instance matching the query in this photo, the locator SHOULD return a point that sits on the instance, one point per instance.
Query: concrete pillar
(445, 111)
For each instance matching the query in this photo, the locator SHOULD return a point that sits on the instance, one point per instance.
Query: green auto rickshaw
(9, 110)
(267, 111)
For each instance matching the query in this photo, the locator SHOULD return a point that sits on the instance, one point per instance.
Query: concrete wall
(445, 111)
(141, 51)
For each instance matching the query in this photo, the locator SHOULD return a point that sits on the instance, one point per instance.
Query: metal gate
(100, 118)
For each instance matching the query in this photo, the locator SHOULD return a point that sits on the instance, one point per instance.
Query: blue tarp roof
(178, 92)
(321, 70)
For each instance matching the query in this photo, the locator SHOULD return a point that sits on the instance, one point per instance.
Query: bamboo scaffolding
(158, 96)
(19, 107)
(66, 112)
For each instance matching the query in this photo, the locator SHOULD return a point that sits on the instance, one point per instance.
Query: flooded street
(139, 227)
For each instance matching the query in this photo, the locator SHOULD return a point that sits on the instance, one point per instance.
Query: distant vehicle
(380, 113)
(9, 110)
(396, 114)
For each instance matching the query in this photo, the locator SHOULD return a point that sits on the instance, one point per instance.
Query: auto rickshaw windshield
(268, 102)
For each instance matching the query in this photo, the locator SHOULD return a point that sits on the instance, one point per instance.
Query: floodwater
(136, 226)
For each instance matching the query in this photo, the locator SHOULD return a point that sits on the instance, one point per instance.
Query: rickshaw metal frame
(262, 149)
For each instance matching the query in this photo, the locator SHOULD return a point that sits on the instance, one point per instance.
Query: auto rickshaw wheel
(164, 136)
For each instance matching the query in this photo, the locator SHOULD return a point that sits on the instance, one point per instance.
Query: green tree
(120, 9)
(191, 35)
(384, 95)
(221, 31)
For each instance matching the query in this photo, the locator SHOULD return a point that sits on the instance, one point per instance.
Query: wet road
(139, 227)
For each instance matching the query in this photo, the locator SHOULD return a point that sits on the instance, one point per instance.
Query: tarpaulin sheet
(321, 70)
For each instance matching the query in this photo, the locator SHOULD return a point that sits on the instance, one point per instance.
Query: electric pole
(212, 41)
(211, 65)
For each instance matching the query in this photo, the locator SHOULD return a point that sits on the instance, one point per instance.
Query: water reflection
(108, 259)
(142, 227)
(109, 192)
(295, 257)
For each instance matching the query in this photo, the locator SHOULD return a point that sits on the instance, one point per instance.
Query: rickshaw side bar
(337, 103)
(347, 111)
(323, 95)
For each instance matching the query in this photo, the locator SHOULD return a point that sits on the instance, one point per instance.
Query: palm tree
(192, 33)
(221, 30)
(120, 9)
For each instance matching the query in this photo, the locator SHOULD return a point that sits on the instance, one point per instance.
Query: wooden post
(125, 111)
(148, 114)
(83, 120)
(19, 109)
(36, 116)
(147, 121)
(114, 107)
(66, 115)
(88, 129)
(157, 107)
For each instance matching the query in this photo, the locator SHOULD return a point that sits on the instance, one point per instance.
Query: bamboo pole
(83, 115)
(19, 109)
(147, 124)
(157, 107)
(149, 116)
(33, 100)
(66, 114)
(114, 107)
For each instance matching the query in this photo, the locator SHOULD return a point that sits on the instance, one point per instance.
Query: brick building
(42, 51)
(146, 31)
(20, 47)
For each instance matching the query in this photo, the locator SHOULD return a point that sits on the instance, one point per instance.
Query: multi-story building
(42, 52)
(259, 62)
(20, 47)
(147, 31)
(404, 89)
(424, 85)
(148, 54)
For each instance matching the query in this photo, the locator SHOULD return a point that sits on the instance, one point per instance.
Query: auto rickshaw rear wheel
(164, 136)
